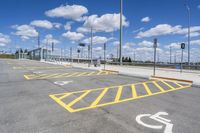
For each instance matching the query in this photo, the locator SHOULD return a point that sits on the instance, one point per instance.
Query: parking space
(68, 99)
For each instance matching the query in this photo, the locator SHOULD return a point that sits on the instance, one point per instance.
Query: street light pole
(120, 47)
(91, 44)
(189, 21)
(170, 58)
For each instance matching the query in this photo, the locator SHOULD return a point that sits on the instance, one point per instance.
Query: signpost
(154, 46)
(182, 48)
(78, 51)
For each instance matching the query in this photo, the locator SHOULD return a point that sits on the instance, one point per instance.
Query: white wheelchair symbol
(156, 117)
(62, 82)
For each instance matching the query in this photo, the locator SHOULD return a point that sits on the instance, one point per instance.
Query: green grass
(7, 56)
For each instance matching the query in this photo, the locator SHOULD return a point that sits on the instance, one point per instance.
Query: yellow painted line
(119, 92)
(99, 73)
(177, 84)
(158, 86)
(66, 95)
(48, 76)
(81, 74)
(72, 74)
(26, 77)
(79, 98)
(134, 92)
(168, 84)
(147, 89)
(91, 73)
(61, 75)
(61, 103)
(99, 97)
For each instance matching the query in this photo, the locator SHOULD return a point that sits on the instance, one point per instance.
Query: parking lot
(37, 97)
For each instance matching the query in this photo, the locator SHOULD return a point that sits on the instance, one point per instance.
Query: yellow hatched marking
(61, 75)
(177, 84)
(99, 72)
(134, 92)
(48, 76)
(104, 90)
(72, 74)
(91, 73)
(81, 74)
(168, 84)
(147, 89)
(26, 77)
(158, 86)
(66, 95)
(79, 98)
(61, 103)
(99, 97)
(119, 92)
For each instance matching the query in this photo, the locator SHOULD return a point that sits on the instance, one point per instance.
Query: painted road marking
(103, 92)
(157, 117)
(62, 82)
(65, 75)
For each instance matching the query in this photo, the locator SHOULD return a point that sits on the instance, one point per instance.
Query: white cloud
(73, 36)
(42, 24)
(57, 25)
(198, 6)
(193, 34)
(74, 12)
(145, 44)
(96, 40)
(137, 30)
(49, 39)
(67, 26)
(145, 19)
(115, 43)
(197, 42)
(174, 45)
(4, 39)
(25, 31)
(166, 29)
(98, 49)
(104, 23)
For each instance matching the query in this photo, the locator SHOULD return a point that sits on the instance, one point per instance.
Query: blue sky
(68, 22)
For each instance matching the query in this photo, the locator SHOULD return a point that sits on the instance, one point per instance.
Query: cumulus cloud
(67, 26)
(25, 31)
(4, 39)
(74, 12)
(96, 40)
(50, 39)
(174, 45)
(73, 36)
(145, 44)
(57, 25)
(104, 23)
(197, 42)
(166, 29)
(42, 24)
(145, 19)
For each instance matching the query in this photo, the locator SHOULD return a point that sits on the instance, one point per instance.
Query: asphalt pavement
(37, 97)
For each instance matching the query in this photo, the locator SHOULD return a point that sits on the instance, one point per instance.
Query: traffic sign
(182, 45)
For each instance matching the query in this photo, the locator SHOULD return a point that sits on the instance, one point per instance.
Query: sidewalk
(145, 72)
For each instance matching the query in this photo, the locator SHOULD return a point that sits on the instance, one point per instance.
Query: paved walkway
(146, 72)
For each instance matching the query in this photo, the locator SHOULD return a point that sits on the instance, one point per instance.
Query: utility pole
(120, 47)
(154, 46)
(71, 55)
(104, 56)
(170, 58)
(175, 57)
(38, 40)
(91, 45)
(88, 55)
(189, 21)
